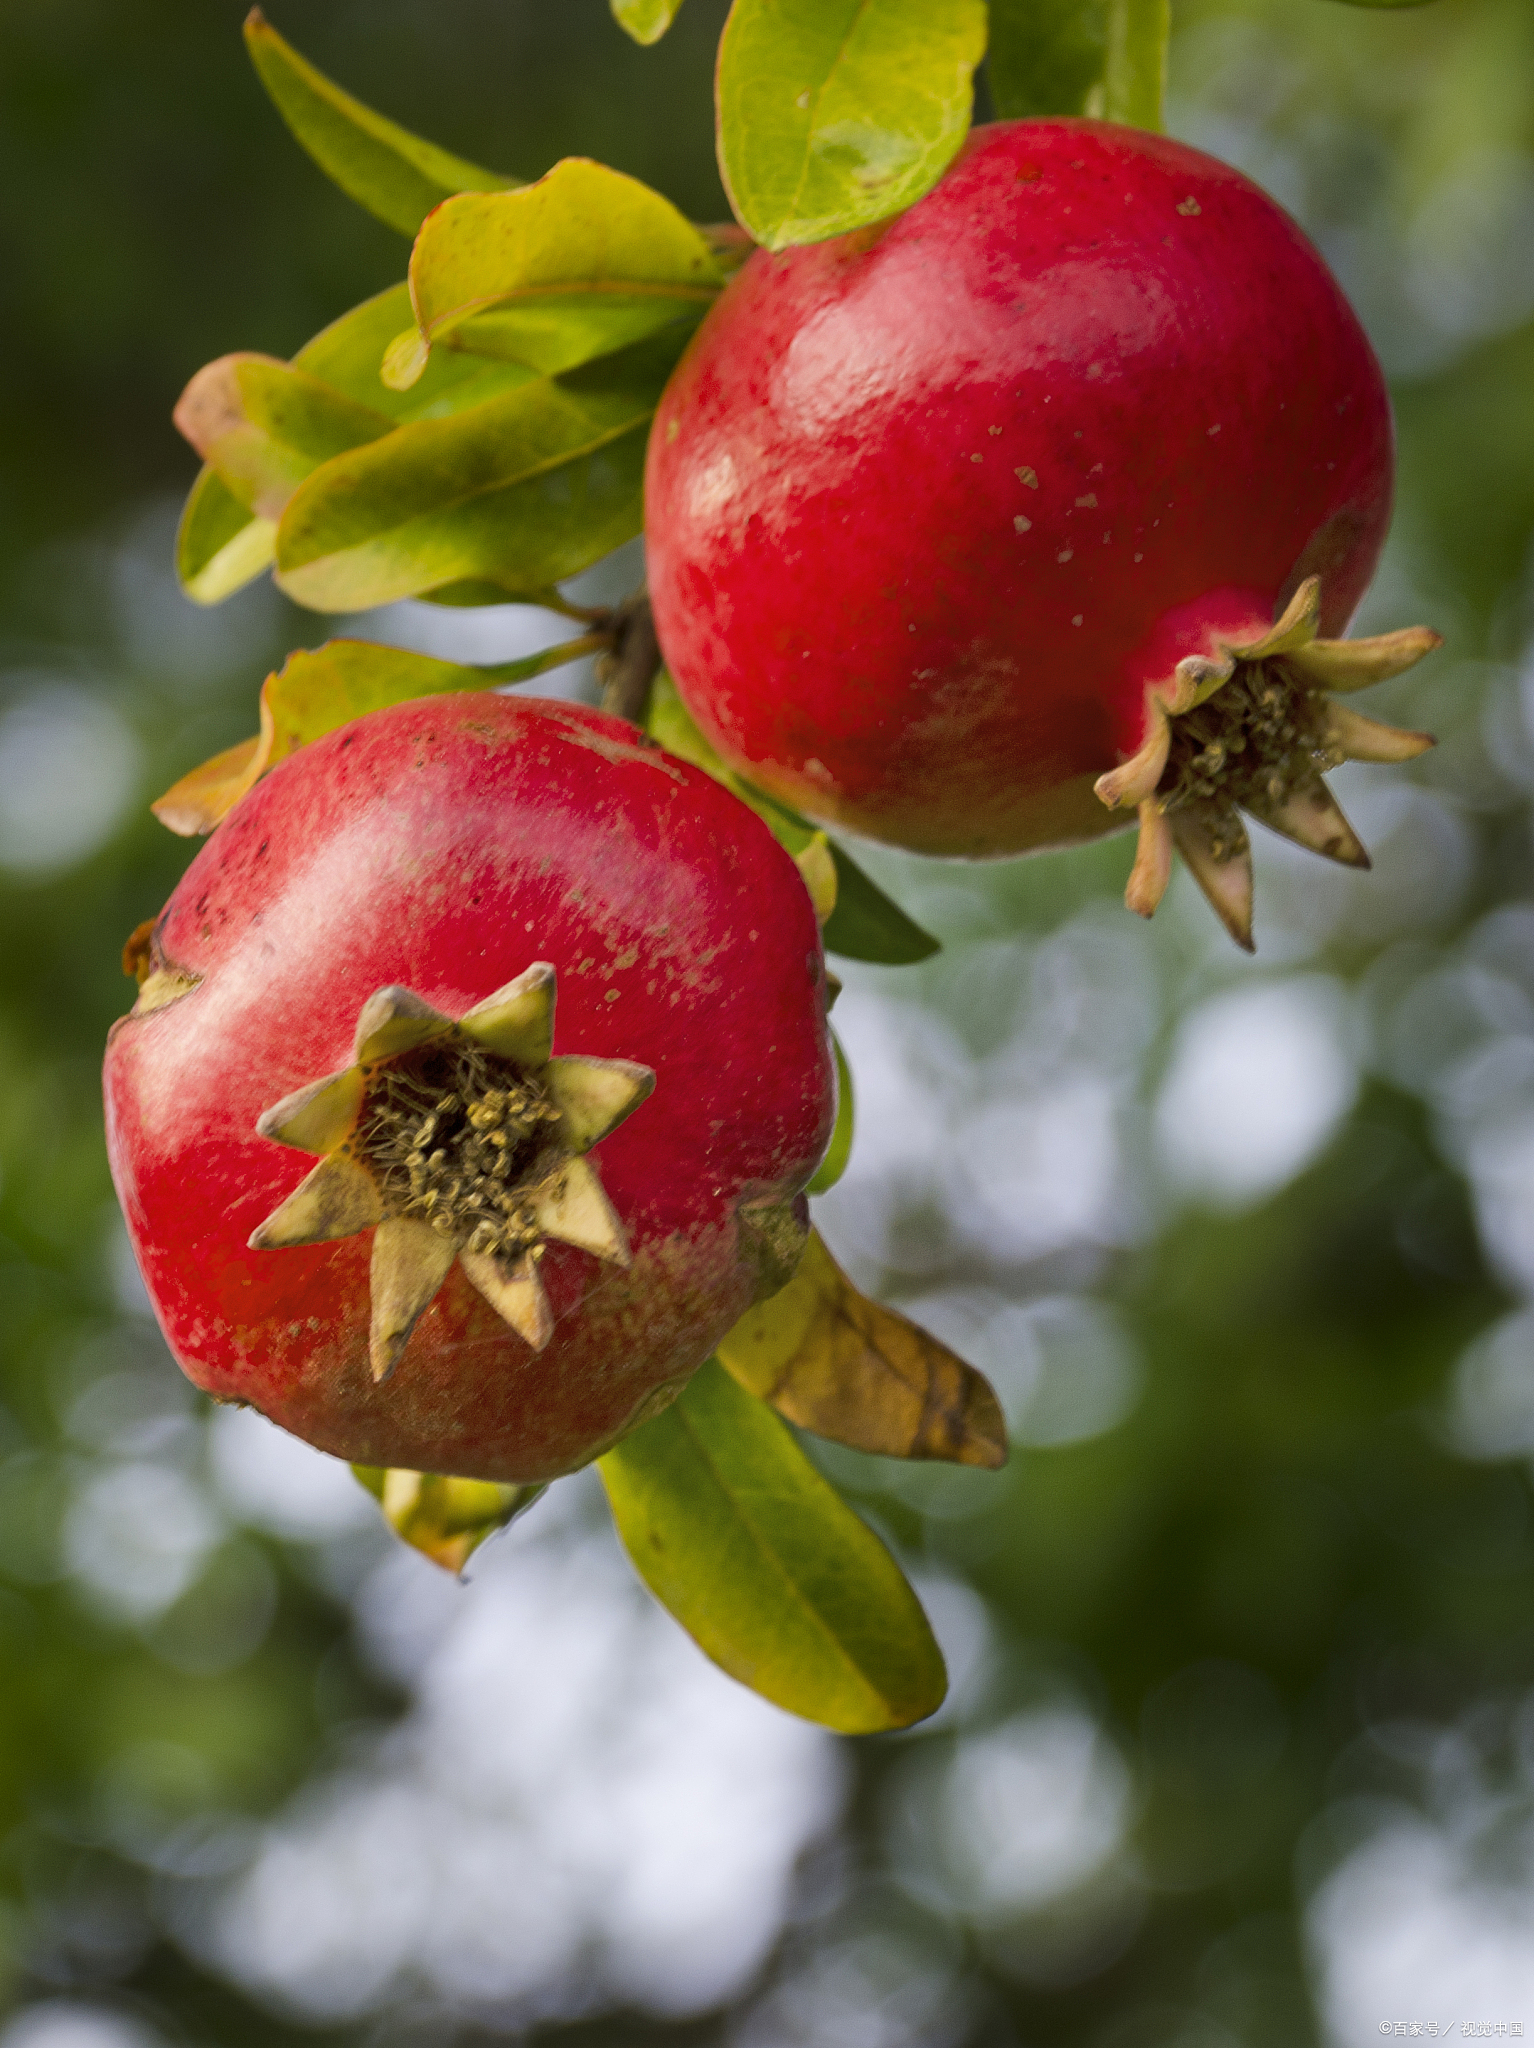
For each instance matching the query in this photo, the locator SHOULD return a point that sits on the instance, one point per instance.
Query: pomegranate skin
(929, 507)
(443, 846)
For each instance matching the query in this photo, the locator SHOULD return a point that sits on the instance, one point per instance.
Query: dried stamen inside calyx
(1256, 731)
(456, 1141)
(458, 1137)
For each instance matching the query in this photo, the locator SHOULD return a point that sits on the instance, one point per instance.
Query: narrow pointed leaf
(1045, 56)
(318, 691)
(397, 176)
(868, 925)
(646, 20)
(519, 492)
(850, 1369)
(766, 1567)
(584, 262)
(836, 113)
(445, 1519)
(839, 1151)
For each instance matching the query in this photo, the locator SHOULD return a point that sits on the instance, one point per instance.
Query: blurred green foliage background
(1241, 1750)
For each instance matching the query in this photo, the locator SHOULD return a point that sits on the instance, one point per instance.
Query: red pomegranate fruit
(354, 1146)
(950, 520)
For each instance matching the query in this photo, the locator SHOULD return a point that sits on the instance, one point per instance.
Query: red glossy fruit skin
(445, 845)
(871, 613)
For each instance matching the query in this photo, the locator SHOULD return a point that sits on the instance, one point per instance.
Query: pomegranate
(970, 532)
(361, 964)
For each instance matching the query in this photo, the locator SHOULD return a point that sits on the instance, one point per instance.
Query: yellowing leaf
(220, 544)
(396, 175)
(265, 426)
(836, 113)
(582, 263)
(348, 355)
(223, 543)
(445, 1519)
(646, 20)
(847, 1368)
(316, 692)
(766, 1567)
(518, 493)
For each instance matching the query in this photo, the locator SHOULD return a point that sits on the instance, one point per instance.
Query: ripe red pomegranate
(361, 965)
(948, 518)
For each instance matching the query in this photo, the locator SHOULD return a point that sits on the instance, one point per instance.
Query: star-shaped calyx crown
(456, 1138)
(1255, 729)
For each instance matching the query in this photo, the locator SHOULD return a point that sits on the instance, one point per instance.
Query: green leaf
(349, 353)
(265, 426)
(1134, 74)
(862, 1374)
(519, 492)
(766, 1567)
(839, 1151)
(1045, 55)
(866, 924)
(220, 545)
(836, 113)
(584, 262)
(646, 20)
(318, 691)
(394, 174)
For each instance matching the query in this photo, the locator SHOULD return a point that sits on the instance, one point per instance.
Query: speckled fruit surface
(442, 847)
(928, 508)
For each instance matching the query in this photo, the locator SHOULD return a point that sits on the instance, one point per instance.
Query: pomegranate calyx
(1254, 729)
(456, 1139)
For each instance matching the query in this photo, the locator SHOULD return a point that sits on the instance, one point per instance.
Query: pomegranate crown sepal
(1255, 728)
(456, 1139)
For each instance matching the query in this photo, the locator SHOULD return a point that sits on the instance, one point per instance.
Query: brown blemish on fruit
(138, 959)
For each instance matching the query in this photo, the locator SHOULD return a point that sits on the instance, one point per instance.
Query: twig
(627, 673)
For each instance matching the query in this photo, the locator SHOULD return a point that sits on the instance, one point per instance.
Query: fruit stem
(1134, 81)
(627, 673)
